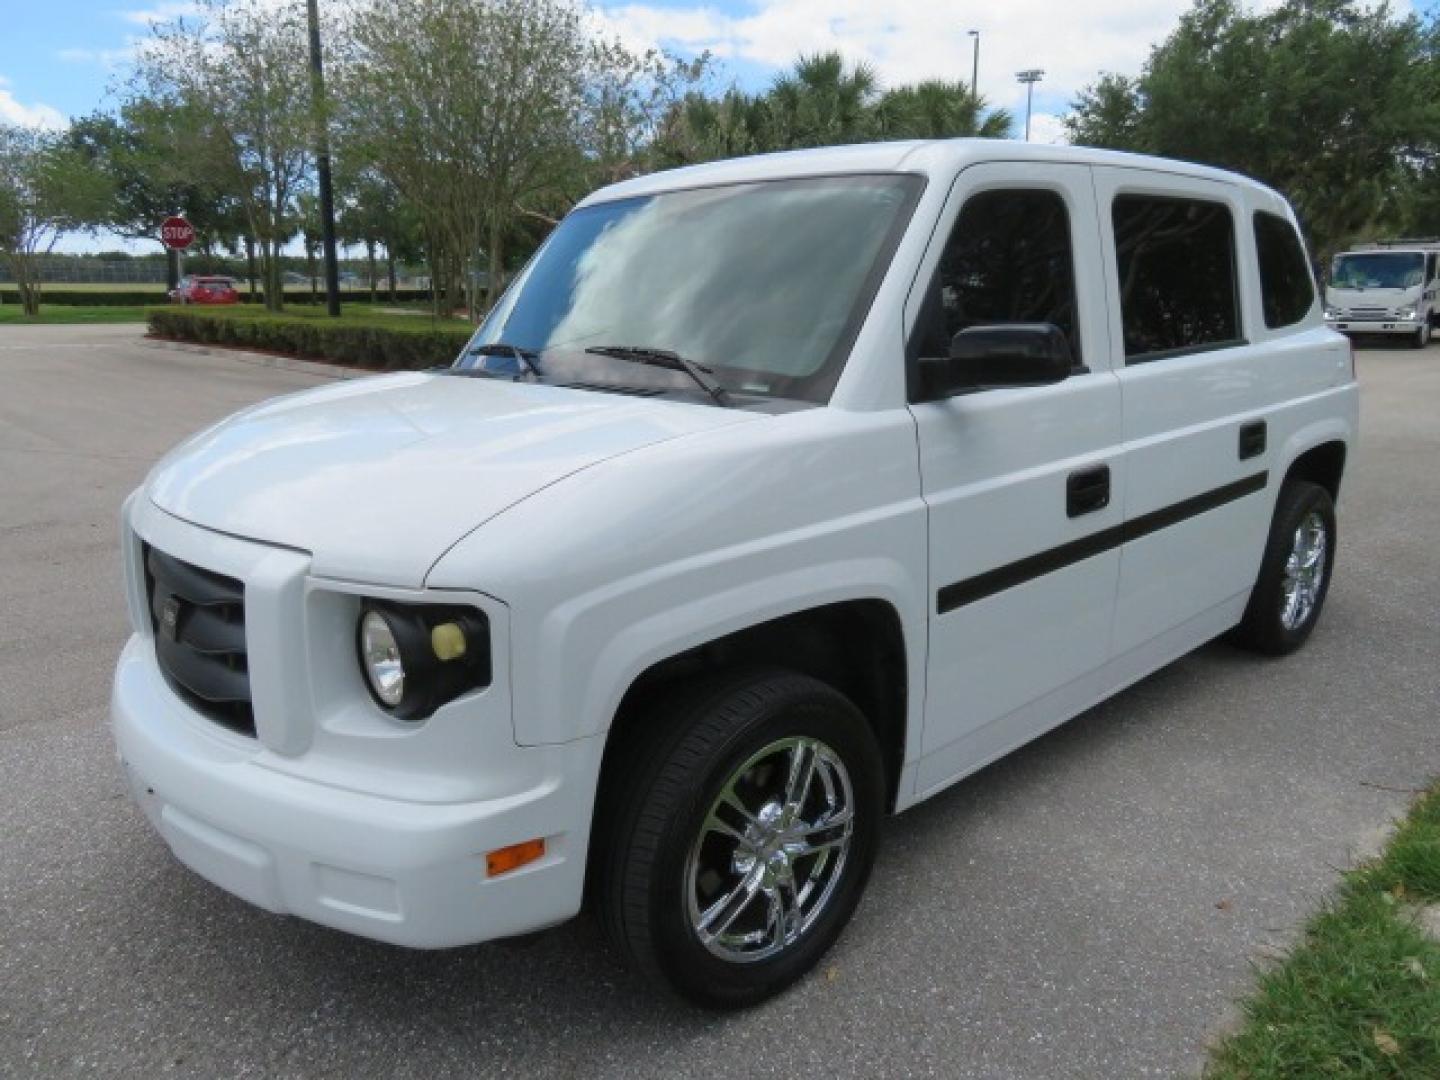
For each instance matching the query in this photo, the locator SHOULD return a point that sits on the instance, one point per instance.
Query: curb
(282, 363)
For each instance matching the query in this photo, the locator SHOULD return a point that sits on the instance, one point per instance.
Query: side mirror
(994, 357)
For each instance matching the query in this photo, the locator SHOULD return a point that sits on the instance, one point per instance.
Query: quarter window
(1176, 262)
(1008, 260)
(1287, 290)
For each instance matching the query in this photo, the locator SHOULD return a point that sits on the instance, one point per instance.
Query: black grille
(199, 621)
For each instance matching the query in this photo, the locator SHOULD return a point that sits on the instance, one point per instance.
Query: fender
(1326, 428)
(613, 570)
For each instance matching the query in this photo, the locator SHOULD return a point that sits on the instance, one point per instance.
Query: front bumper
(1371, 326)
(394, 869)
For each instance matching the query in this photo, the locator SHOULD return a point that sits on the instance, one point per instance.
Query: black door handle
(1252, 439)
(1087, 490)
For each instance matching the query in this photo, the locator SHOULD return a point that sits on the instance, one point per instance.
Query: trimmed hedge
(300, 294)
(360, 344)
(143, 297)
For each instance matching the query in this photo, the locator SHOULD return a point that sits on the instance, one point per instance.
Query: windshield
(1378, 270)
(763, 283)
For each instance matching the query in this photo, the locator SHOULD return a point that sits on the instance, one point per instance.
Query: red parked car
(205, 290)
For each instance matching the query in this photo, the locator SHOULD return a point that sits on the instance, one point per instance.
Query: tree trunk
(270, 272)
(314, 277)
(370, 261)
(250, 264)
(29, 290)
(390, 261)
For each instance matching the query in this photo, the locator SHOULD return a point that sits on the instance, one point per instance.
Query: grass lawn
(61, 313)
(1360, 994)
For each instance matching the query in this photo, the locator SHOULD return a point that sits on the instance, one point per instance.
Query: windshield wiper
(524, 357)
(671, 361)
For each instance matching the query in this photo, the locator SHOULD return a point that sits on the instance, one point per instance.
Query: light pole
(321, 112)
(1030, 76)
(975, 67)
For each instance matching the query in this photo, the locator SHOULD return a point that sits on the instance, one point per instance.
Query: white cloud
(36, 114)
(908, 40)
(166, 11)
(1044, 128)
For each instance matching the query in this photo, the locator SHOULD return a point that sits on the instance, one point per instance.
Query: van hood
(376, 478)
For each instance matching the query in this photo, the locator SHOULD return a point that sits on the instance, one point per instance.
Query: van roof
(929, 157)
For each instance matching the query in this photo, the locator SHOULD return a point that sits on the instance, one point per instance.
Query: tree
(46, 190)
(135, 150)
(495, 115)
(821, 102)
(630, 98)
(701, 128)
(476, 114)
(240, 69)
(1330, 101)
(1107, 114)
(936, 109)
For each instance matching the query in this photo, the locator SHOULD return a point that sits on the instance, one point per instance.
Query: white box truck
(1386, 287)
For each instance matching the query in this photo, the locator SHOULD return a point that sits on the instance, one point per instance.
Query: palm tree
(937, 109)
(822, 102)
(701, 128)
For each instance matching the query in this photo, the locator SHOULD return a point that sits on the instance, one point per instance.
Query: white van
(776, 496)
(1387, 287)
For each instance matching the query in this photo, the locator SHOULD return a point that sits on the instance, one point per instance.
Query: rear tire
(744, 835)
(1294, 574)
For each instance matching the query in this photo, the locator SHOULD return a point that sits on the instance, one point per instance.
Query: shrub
(383, 348)
(296, 294)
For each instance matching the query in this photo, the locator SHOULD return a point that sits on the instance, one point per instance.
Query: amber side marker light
(505, 859)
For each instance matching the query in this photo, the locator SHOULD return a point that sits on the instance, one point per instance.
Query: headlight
(380, 657)
(416, 657)
(1406, 313)
(1332, 313)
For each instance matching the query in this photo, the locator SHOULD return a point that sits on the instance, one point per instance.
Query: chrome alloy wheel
(771, 850)
(1304, 572)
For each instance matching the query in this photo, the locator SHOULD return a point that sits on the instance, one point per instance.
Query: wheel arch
(1322, 463)
(857, 646)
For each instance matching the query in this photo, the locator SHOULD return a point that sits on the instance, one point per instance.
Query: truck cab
(1388, 288)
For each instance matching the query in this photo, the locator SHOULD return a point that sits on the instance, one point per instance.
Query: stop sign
(176, 232)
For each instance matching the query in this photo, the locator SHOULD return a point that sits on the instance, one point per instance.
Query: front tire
(745, 836)
(1294, 572)
(1421, 337)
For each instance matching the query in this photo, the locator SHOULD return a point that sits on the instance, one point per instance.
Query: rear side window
(1177, 275)
(1008, 260)
(1286, 288)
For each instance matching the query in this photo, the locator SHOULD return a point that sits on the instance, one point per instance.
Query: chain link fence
(73, 270)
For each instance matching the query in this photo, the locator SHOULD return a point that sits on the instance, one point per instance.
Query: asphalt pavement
(1089, 907)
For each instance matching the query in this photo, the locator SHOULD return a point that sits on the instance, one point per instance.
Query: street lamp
(1030, 76)
(975, 67)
